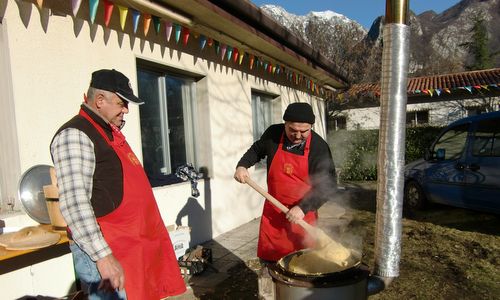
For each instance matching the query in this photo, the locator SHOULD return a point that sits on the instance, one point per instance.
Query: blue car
(461, 168)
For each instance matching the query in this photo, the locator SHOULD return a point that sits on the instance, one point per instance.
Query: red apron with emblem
(287, 181)
(135, 231)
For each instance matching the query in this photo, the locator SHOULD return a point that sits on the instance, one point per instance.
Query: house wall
(441, 113)
(51, 59)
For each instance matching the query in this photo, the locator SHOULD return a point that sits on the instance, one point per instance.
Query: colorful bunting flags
(156, 24)
(146, 23)
(168, 30)
(75, 6)
(108, 11)
(93, 4)
(123, 15)
(225, 51)
(203, 41)
(185, 35)
(135, 19)
(178, 29)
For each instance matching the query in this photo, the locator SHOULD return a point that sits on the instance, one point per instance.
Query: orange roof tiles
(417, 85)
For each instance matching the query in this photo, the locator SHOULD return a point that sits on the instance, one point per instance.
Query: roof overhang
(242, 24)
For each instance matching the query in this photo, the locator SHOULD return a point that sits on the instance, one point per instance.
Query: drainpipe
(390, 163)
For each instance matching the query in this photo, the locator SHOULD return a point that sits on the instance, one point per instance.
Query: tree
(478, 46)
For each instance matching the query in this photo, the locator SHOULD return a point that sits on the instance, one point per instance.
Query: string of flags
(373, 92)
(184, 34)
(470, 89)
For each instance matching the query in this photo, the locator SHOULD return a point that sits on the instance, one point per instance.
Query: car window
(486, 140)
(453, 141)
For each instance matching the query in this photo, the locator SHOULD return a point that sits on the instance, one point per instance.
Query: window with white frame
(417, 118)
(262, 116)
(262, 113)
(167, 122)
(475, 110)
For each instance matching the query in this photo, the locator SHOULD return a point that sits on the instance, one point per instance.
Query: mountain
(437, 41)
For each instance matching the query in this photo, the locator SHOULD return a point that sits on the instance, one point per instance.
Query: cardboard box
(180, 237)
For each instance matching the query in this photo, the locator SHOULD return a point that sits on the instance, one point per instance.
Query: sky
(362, 11)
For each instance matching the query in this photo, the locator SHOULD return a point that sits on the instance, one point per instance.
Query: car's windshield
(453, 141)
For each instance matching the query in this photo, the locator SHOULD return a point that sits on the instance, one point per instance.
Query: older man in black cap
(121, 248)
(300, 174)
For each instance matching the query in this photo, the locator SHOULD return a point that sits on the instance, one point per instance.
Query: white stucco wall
(441, 113)
(52, 58)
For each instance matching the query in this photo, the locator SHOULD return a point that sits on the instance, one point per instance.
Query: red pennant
(108, 11)
(185, 35)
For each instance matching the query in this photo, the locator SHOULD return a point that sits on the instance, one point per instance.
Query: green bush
(355, 152)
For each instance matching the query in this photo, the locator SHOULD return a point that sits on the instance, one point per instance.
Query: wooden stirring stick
(322, 239)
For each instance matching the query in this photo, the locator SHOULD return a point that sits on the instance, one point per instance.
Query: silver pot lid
(31, 192)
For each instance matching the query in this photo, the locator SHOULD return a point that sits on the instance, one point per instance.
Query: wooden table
(11, 260)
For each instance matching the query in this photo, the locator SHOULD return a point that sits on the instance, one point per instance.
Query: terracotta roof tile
(417, 85)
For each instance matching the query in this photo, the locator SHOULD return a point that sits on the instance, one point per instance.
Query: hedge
(355, 152)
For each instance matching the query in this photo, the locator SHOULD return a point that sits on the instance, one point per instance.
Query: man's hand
(241, 174)
(111, 272)
(295, 214)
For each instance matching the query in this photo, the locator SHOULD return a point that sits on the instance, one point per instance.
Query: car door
(482, 168)
(444, 178)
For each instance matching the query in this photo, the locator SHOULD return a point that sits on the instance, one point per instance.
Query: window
(475, 110)
(262, 113)
(486, 140)
(415, 118)
(453, 142)
(167, 123)
(339, 123)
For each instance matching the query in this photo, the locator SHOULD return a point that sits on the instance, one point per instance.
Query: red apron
(287, 181)
(135, 231)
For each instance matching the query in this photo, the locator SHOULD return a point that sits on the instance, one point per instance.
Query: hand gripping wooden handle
(310, 229)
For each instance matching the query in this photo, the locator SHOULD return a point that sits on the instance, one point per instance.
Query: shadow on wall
(199, 218)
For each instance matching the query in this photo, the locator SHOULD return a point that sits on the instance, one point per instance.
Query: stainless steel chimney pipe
(390, 163)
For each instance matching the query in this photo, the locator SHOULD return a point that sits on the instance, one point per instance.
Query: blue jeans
(89, 276)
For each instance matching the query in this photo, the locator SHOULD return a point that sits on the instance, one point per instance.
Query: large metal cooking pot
(349, 284)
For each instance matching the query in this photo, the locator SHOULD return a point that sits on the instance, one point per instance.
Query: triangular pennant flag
(178, 29)
(123, 15)
(217, 47)
(477, 87)
(39, 3)
(168, 30)
(135, 19)
(468, 88)
(229, 52)
(265, 66)
(93, 4)
(108, 11)
(438, 92)
(235, 55)
(146, 23)
(431, 92)
(274, 69)
(426, 92)
(185, 35)
(251, 61)
(486, 87)
(447, 90)
(210, 42)
(277, 69)
(494, 85)
(75, 6)
(223, 51)
(242, 54)
(156, 24)
(203, 41)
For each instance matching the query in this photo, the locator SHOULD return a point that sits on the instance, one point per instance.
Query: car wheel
(414, 198)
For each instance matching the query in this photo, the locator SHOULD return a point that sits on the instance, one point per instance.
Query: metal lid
(31, 192)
